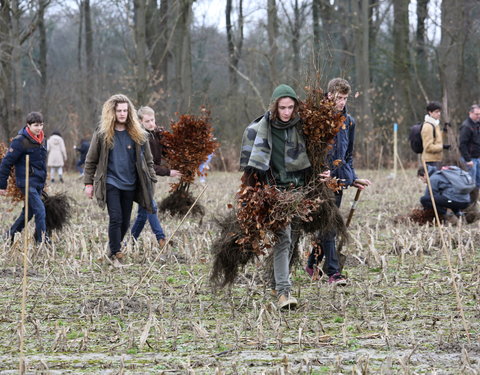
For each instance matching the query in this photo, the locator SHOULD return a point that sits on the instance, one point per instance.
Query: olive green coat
(95, 172)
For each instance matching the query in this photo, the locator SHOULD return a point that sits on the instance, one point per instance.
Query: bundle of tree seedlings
(261, 210)
(188, 145)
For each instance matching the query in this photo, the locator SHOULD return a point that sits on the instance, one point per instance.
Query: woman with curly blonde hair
(119, 167)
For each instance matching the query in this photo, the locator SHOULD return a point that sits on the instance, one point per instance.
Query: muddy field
(156, 313)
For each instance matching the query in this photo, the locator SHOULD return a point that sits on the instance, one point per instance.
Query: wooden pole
(447, 254)
(25, 268)
(395, 149)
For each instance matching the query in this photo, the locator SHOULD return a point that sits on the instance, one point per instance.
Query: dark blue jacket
(340, 158)
(21, 146)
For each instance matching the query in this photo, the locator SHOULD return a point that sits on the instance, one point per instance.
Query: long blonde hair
(107, 121)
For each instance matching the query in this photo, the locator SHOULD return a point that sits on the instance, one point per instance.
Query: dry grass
(398, 315)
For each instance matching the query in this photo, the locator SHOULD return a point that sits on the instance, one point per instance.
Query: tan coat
(57, 154)
(432, 146)
(95, 172)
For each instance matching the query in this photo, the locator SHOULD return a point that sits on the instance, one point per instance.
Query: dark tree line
(65, 59)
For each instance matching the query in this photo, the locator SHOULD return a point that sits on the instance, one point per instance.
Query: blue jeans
(328, 245)
(475, 171)
(35, 208)
(141, 219)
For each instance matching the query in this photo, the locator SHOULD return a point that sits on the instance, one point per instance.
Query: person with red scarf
(29, 141)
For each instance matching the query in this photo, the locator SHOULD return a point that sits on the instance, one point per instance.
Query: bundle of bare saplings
(188, 145)
(57, 206)
(248, 232)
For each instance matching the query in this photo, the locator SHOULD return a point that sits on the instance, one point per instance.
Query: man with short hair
(147, 119)
(470, 146)
(340, 163)
(29, 141)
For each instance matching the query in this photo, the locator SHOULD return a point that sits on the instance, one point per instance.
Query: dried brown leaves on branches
(187, 147)
(189, 144)
(13, 192)
(262, 210)
(321, 123)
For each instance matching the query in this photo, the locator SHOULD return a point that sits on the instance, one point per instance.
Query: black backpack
(415, 137)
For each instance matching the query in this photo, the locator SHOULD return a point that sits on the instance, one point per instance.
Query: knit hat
(284, 91)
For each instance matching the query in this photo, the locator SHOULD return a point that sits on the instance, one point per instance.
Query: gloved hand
(447, 147)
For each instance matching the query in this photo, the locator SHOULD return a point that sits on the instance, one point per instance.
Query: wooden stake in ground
(447, 254)
(25, 267)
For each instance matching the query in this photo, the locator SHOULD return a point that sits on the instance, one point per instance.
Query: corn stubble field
(398, 315)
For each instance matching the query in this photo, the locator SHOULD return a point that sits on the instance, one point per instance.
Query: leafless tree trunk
(234, 44)
(42, 4)
(401, 66)
(141, 52)
(272, 30)
(90, 66)
(451, 56)
(362, 70)
(182, 54)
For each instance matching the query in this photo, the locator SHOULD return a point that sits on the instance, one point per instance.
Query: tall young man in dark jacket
(29, 141)
(147, 118)
(340, 162)
(470, 146)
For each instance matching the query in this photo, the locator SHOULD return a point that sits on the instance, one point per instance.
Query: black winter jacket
(470, 139)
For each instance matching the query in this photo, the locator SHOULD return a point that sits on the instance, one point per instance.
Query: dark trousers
(327, 244)
(119, 205)
(35, 208)
(443, 204)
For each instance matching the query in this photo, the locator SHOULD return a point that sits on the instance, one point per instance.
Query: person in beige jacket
(57, 155)
(432, 137)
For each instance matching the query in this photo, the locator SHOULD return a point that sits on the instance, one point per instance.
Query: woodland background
(65, 58)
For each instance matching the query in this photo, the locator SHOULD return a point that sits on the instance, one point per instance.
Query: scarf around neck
(431, 120)
(38, 138)
(256, 149)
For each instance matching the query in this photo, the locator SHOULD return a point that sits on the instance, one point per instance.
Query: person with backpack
(470, 146)
(432, 138)
(451, 187)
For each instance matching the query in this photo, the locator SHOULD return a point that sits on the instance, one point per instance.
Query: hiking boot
(61, 179)
(451, 219)
(337, 279)
(161, 242)
(52, 180)
(286, 302)
(118, 255)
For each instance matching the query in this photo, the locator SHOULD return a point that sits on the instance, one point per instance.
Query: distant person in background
(119, 168)
(204, 167)
(82, 150)
(29, 141)
(57, 155)
(147, 119)
(432, 136)
(470, 146)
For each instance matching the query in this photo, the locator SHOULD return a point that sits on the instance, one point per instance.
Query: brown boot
(162, 242)
(286, 302)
